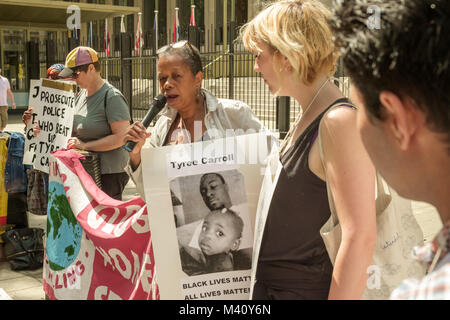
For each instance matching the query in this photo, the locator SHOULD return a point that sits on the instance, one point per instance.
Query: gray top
(222, 115)
(91, 122)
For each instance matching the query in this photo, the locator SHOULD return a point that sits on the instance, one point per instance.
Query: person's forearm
(107, 143)
(138, 180)
(350, 269)
(11, 97)
(135, 160)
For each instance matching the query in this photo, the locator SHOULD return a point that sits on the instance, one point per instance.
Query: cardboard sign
(53, 105)
(202, 198)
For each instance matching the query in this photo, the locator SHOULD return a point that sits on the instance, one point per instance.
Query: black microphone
(158, 103)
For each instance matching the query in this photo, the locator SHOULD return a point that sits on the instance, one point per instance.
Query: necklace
(301, 116)
(183, 124)
(314, 98)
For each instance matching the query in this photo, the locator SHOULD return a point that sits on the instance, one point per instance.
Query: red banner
(96, 247)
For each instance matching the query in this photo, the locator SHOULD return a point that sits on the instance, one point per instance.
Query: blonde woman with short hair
(296, 57)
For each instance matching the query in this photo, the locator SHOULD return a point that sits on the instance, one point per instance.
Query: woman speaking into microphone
(180, 79)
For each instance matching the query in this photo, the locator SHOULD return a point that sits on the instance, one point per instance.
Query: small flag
(106, 46)
(122, 25)
(192, 21)
(155, 24)
(155, 27)
(139, 43)
(90, 37)
(176, 27)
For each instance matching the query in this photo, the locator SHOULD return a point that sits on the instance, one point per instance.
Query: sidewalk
(27, 285)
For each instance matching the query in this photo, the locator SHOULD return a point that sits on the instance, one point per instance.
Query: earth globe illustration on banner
(63, 230)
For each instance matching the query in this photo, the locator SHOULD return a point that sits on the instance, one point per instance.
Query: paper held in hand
(53, 105)
(202, 200)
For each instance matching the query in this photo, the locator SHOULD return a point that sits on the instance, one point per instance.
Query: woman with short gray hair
(180, 79)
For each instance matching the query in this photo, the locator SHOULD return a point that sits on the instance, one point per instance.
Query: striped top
(436, 285)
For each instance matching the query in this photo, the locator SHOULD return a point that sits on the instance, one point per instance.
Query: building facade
(36, 34)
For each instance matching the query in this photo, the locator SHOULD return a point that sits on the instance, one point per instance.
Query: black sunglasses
(79, 69)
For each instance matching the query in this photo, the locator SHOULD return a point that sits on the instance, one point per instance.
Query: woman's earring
(197, 95)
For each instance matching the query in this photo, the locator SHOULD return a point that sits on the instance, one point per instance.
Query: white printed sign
(202, 200)
(53, 103)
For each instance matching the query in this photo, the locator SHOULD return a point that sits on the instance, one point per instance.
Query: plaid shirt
(436, 285)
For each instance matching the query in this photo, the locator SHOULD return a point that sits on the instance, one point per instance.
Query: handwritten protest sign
(202, 199)
(53, 108)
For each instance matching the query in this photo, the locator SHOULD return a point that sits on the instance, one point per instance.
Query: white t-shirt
(4, 86)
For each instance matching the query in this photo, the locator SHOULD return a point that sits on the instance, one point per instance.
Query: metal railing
(228, 74)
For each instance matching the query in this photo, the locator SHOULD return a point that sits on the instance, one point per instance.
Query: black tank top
(292, 251)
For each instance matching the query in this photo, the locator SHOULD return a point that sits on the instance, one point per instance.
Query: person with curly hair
(400, 73)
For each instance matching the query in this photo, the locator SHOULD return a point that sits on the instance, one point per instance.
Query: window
(149, 17)
(14, 59)
(98, 30)
(128, 21)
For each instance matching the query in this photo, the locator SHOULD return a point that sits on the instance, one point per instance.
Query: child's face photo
(218, 234)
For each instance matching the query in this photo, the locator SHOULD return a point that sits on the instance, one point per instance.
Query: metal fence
(228, 74)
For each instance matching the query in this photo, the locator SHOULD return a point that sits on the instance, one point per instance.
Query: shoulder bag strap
(380, 201)
(105, 104)
(334, 217)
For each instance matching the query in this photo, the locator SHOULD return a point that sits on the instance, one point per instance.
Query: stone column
(210, 25)
(253, 8)
(140, 4)
(84, 28)
(171, 4)
(110, 23)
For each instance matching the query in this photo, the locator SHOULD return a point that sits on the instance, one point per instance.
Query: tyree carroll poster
(202, 200)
